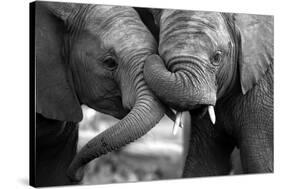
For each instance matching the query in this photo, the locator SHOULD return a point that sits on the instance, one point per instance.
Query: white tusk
(212, 114)
(177, 123)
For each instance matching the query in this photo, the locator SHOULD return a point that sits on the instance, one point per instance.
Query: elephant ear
(55, 96)
(256, 51)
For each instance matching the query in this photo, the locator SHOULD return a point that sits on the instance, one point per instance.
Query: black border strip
(32, 159)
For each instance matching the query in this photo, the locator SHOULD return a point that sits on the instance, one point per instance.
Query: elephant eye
(217, 57)
(110, 64)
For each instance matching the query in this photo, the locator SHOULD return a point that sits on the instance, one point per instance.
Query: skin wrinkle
(192, 71)
(182, 51)
(76, 22)
(194, 68)
(129, 33)
(255, 131)
(194, 61)
(135, 117)
(183, 15)
(170, 25)
(185, 41)
(106, 34)
(111, 20)
(182, 30)
(191, 76)
(137, 74)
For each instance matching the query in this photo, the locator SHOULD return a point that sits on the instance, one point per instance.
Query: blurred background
(157, 155)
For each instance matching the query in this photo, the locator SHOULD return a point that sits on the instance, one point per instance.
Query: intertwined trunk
(178, 76)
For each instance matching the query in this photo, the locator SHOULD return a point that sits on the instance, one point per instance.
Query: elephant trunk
(145, 115)
(182, 88)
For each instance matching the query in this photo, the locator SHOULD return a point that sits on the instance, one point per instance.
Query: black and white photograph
(127, 94)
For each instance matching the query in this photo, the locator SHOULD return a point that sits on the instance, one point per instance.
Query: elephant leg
(256, 150)
(56, 144)
(209, 150)
(255, 124)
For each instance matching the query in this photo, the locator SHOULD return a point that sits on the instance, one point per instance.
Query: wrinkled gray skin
(93, 55)
(223, 60)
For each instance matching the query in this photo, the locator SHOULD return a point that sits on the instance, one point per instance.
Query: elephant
(92, 55)
(220, 63)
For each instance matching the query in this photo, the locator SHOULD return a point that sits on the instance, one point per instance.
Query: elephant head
(94, 55)
(205, 55)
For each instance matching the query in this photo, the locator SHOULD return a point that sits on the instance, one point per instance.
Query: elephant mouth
(202, 110)
(197, 112)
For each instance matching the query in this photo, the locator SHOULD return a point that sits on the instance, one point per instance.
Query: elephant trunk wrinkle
(145, 115)
(182, 87)
(191, 65)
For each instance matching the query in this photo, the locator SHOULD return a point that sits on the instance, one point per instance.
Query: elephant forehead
(89, 45)
(200, 46)
(102, 18)
(182, 24)
(119, 28)
(200, 33)
(210, 19)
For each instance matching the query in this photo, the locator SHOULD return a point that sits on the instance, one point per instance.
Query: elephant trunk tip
(76, 176)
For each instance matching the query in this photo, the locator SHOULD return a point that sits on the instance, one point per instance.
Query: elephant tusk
(212, 114)
(177, 123)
